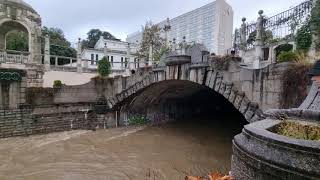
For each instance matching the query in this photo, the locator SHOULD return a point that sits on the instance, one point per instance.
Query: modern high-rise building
(210, 25)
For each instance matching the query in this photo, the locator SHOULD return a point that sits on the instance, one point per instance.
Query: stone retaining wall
(47, 119)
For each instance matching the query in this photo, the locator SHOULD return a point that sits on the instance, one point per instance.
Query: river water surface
(170, 151)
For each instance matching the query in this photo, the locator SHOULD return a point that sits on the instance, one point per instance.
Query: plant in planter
(298, 130)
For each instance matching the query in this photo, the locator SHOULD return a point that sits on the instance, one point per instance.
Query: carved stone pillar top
(243, 34)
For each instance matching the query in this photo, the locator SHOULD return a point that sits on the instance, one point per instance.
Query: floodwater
(169, 151)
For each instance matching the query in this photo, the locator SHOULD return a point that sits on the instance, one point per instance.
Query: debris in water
(212, 176)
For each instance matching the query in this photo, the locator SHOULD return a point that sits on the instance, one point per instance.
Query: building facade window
(126, 62)
(92, 59)
(111, 61)
(121, 62)
(97, 58)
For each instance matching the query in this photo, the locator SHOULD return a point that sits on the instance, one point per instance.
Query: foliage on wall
(303, 38)
(295, 82)
(287, 56)
(315, 24)
(221, 63)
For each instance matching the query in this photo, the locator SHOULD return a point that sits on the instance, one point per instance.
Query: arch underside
(169, 89)
(179, 100)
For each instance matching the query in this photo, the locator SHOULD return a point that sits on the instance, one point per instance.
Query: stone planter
(261, 154)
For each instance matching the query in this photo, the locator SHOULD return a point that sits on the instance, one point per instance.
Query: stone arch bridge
(247, 90)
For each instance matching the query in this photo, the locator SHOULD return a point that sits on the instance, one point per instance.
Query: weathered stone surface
(228, 90)
(261, 154)
(23, 122)
(233, 96)
(238, 100)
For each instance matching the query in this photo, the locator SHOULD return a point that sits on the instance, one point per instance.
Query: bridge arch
(203, 77)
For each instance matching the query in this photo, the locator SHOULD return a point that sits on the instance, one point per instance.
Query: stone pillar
(127, 60)
(14, 95)
(184, 46)
(174, 47)
(79, 62)
(312, 51)
(151, 53)
(2, 42)
(243, 37)
(259, 42)
(47, 53)
(167, 29)
(105, 50)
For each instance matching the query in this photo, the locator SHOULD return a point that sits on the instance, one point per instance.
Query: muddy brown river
(169, 152)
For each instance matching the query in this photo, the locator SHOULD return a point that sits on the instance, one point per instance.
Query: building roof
(18, 3)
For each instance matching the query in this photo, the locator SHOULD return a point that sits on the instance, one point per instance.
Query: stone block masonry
(22, 122)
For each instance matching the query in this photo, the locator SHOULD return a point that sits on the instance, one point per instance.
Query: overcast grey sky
(121, 17)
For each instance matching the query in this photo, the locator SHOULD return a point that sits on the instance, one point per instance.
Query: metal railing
(281, 26)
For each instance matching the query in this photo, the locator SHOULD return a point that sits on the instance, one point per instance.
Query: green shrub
(315, 24)
(287, 56)
(283, 47)
(57, 84)
(303, 38)
(104, 67)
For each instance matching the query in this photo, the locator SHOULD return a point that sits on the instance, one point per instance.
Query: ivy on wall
(10, 76)
(303, 37)
(295, 82)
(315, 24)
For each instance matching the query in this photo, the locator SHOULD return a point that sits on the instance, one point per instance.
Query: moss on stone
(298, 130)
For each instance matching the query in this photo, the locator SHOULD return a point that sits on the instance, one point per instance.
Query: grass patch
(298, 130)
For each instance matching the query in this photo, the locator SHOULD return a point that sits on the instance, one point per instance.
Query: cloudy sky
(121, 17)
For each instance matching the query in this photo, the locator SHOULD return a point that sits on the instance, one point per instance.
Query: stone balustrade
(6, 57)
